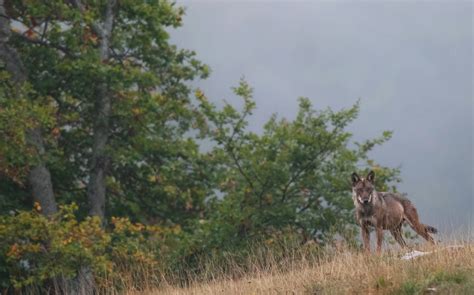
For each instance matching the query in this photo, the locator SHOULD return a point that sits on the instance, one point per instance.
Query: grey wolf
(384, 211)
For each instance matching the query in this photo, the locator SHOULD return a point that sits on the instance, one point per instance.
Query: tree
(292, 178)
(95, 109)
(116, 94)
(39, 176)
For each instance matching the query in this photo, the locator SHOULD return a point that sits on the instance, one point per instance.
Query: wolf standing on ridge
(384, 211)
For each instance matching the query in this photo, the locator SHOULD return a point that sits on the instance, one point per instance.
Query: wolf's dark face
(363, 188)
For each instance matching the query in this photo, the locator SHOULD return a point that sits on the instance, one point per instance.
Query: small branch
(230, 148)
(311, 202)
(46, 22)
(308, 165)
(264, 189)
(239, 167)
(42, 42)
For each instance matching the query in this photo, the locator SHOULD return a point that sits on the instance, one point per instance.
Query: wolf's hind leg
(411, 215)
(397, 234)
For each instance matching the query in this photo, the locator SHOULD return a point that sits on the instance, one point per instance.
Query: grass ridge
(444, 271)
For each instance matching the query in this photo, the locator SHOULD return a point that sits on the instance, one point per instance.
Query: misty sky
(411, 63)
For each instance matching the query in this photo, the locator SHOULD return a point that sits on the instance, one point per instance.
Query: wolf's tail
(412, 217)
(431, 229)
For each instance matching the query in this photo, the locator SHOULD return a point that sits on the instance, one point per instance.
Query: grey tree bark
(96, 188)
(39, 177)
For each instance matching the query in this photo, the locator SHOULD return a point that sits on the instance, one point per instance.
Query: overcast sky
(411, 63)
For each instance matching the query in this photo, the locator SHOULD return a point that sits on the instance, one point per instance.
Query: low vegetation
(42, 255)
(345, 271)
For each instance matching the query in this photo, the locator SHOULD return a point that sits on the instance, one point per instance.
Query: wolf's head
(363, 188)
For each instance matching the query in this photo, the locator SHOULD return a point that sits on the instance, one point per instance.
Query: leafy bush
(36, 251)
(293, 177)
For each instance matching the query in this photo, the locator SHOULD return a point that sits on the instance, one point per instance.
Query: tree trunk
(39, 177)
(96, 188)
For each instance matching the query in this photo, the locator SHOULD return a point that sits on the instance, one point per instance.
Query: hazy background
(411, 63)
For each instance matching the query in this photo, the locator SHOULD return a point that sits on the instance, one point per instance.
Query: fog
(410, 63)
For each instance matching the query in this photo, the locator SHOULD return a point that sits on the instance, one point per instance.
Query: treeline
(101, 160)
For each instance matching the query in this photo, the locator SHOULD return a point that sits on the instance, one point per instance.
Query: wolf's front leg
(365, 237)
(379, 231)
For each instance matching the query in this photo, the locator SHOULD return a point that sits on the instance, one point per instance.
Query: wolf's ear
(371, 176)
(355, 178)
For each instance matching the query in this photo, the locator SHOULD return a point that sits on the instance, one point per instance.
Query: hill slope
(446, 270)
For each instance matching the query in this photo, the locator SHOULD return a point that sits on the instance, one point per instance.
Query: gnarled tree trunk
(39, 177)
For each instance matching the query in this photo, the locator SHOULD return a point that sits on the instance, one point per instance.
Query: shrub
(36, 251)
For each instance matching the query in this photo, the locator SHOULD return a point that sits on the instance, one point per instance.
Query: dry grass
(445, 271)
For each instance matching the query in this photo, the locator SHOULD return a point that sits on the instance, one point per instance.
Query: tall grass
(286, 267)
(311, 270)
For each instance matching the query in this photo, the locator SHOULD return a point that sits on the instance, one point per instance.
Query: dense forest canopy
(100, 153)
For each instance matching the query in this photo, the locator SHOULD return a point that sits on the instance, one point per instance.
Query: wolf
(384, 211)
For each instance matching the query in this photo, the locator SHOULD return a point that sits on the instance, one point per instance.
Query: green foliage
(17, 115)
(409, 288)
(457, 277)
(294, 177)
(156, 170)
(289, 183)
(381, 282)
(458, 281)
(35, 250)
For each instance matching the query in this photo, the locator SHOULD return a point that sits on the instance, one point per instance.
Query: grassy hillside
(447, 270)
